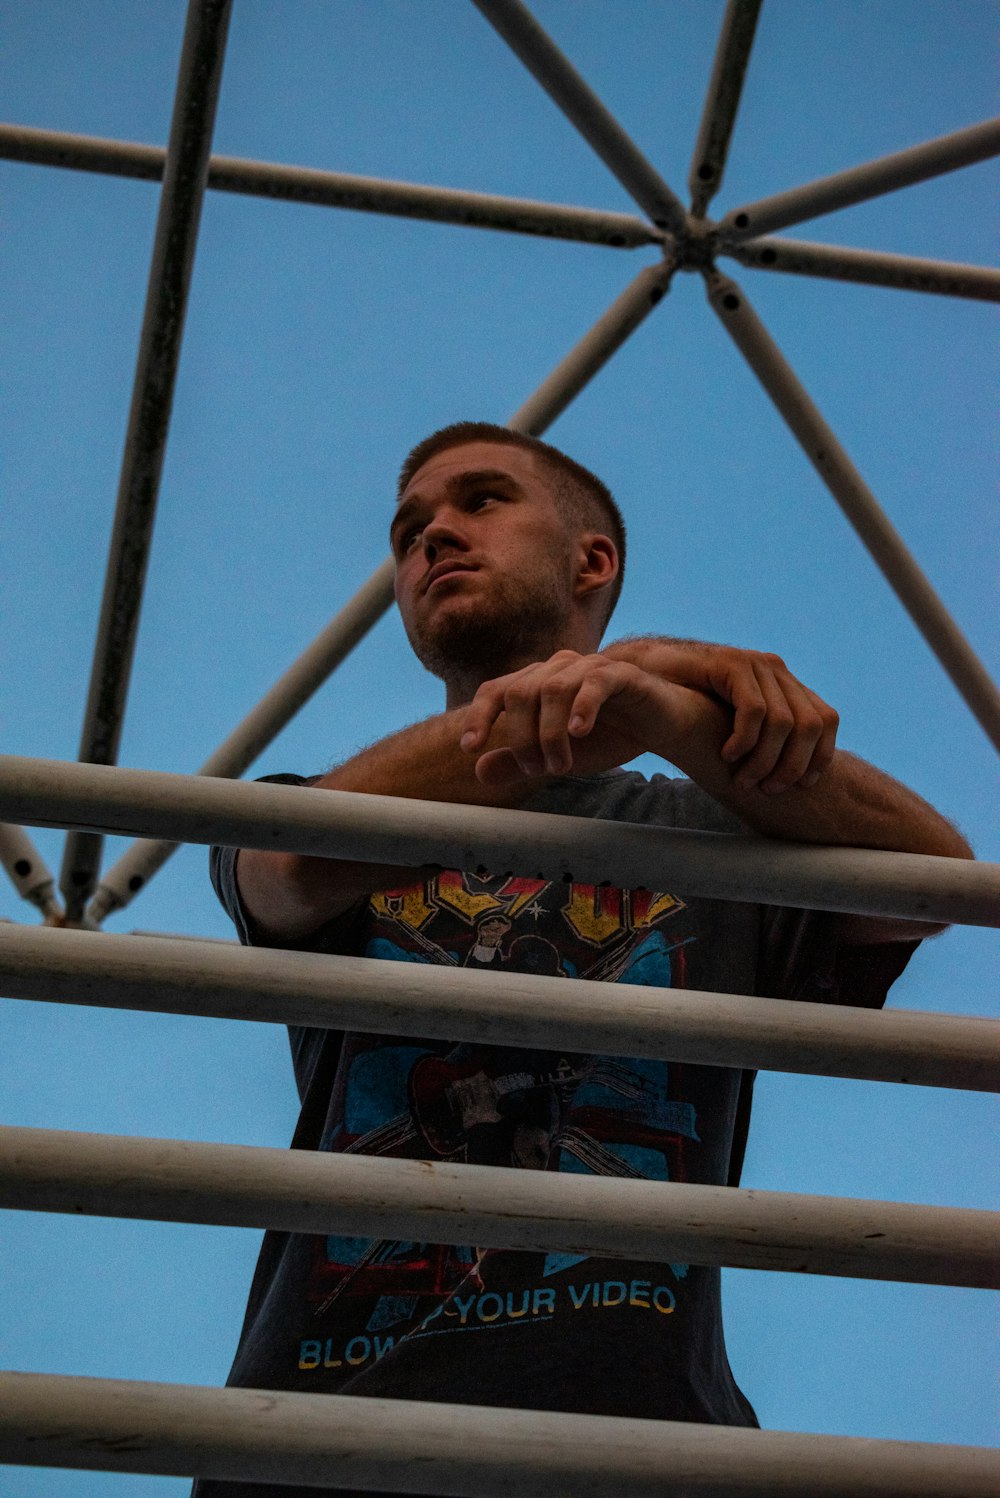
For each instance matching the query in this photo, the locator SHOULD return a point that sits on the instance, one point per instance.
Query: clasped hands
(585, 713)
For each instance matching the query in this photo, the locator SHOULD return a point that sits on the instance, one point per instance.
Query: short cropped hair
(581, 497)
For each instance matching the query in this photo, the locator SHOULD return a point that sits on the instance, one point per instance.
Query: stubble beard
(472, 644)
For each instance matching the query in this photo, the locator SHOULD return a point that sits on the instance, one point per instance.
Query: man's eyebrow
(460, 484)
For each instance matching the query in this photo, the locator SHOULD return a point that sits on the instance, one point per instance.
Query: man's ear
(598, 563)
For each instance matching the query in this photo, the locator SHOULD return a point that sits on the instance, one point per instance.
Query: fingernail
(575, 724)
(808, 781)
(468, 739)
(554, 764)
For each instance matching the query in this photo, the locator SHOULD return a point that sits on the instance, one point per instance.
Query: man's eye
(405, 539)
(478, 500)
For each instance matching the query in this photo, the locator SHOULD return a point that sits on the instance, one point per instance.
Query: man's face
(484, 561)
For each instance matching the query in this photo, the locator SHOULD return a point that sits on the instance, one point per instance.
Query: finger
(742, 690)
(521, 707)
(556, 696)
(481, 715)
(498, 767)
(593, 692)
(776, 726)
(799, 748)
(827, 745)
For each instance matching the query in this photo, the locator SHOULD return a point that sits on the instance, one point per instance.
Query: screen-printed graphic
(492, 1105)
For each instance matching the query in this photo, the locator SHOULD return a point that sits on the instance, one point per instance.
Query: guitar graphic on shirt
(448, 1098)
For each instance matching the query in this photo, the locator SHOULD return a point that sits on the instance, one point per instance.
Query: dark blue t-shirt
(538, 1331)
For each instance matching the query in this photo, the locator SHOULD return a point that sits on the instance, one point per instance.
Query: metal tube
(594, 350)
(262, 724)
(324, 1440)
(305, 1191)
(198, 81)
(886, 174)
(172, 976)
(138, 864)
(27, 870)
(872, 267)
(732, 54)
(862, 509)
(297, 184)
(398, 831)
(583, 108)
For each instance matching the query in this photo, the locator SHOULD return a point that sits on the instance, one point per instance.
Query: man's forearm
(853, 804)
(289, 895)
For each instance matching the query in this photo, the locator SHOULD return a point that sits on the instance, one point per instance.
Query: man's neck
(462, 684)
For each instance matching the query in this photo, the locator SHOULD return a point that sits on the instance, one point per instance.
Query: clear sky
(319, 346)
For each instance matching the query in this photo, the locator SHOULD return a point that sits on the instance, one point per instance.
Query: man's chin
(466, 639)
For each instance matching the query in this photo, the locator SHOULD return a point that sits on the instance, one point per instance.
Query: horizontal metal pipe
(886, 174)
(27, 869)
(396, 830)
(507, 1009)
(197, 94)
(708, 162)
(820, 445)
(302, 1191)
(334, 1440)
(872, 267)
(594, 350)
(262, 724)
(583, 108)
(299, 184)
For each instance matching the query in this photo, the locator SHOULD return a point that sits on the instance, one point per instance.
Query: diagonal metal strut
(869, 267)
(301, 184)
(820, 445)
(584, 109)
(722, 100)
(946, 153)
(198, 82)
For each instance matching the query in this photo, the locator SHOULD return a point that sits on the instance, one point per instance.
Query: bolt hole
(768, 257)
(22, 868)
(617, 240)
(136, 882)
(706, 172)
(730, 302)
(79, 878)
(741, 220)
(656, 296)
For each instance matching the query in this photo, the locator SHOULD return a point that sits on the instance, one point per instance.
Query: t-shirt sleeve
(332, 936)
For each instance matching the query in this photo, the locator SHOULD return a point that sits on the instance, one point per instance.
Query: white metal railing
(301, 1191)
(505, 1009)
(396, 830)
(404, 1446)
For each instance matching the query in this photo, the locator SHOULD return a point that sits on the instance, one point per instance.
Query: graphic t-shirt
(553, 1331)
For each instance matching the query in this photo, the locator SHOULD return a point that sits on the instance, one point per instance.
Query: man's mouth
(446, 569)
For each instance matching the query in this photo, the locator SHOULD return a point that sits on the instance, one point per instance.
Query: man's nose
(443, 533)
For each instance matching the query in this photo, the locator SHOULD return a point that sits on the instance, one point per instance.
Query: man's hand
(782, 734)
(582, 713)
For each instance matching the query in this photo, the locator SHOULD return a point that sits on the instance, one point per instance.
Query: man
(509, 560)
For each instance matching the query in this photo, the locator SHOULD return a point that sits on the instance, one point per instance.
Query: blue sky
(319, 346)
